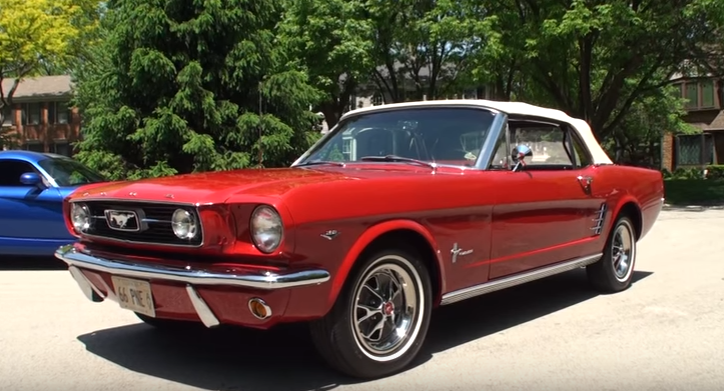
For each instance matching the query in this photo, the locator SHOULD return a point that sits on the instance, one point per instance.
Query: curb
(692, 207)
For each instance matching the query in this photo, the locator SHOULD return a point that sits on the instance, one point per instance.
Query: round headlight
(80, 217)
(184, 224)
(266, 228)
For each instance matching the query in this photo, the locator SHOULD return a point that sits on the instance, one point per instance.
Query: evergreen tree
(177, 86)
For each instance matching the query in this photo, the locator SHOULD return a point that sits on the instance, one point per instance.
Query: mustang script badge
(122, 220)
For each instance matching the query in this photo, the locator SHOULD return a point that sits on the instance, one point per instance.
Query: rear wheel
(614, 272)
(381, 318)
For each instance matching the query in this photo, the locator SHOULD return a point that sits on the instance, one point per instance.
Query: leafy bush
(715, 172)
(688, 173)
(694, 192)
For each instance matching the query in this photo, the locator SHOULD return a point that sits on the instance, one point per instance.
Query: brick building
(40, 115)
(704, 111)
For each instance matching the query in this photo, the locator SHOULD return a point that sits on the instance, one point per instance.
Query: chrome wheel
(388, 306)
(623, 251)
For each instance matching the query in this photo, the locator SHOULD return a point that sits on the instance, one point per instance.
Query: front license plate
(134, 295)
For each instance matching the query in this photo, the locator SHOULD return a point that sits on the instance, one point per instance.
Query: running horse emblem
(119, 220)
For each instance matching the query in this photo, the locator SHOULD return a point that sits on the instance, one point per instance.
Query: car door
(542, 211)
(28, 212)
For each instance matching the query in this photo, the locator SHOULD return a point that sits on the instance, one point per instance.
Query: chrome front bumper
(77, 260)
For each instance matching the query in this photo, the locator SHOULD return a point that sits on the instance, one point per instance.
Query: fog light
(259, 308)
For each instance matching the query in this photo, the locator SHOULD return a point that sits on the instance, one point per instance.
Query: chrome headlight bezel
(80, 217)
(266, 228)
(184, 224)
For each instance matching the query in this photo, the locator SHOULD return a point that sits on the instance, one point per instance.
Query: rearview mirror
(520, 152)
(31, 179)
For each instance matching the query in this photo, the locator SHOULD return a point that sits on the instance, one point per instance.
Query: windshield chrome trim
(46, 175)
(488, 149)
(497, 123)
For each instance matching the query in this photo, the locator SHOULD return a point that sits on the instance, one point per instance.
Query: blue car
(32, 188)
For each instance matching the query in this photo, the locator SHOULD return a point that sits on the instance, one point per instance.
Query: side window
(548, 143)
(11, 170)
(554, 148)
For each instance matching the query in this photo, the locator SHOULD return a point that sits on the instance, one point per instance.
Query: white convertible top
(584, 130)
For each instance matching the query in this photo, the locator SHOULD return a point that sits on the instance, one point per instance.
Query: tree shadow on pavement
(284, 358)
(14, 263)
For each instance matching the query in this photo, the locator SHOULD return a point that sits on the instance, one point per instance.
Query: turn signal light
(259, 308)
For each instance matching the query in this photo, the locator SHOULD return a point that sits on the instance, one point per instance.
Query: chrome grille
(153, 225)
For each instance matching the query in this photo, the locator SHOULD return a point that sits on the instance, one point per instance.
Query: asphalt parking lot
(665, 333)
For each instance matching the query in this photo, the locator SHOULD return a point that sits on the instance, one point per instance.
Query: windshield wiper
(395, 158)
(317, 162)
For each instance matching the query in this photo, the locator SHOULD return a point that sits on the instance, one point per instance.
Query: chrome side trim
(518, 279)
(202, 309)
(89, 290)
(267, 280)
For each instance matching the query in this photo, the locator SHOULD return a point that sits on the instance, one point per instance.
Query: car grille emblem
(122, 220)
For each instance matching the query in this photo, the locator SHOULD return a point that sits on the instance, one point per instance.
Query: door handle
(585, 182)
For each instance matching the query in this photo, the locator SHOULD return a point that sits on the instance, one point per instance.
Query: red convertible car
(397, 210)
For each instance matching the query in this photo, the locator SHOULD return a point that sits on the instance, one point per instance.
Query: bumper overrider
(82, 264)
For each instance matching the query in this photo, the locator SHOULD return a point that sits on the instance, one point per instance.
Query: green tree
(36, 35)
(333, 41)
(429, 46)
(596, 59)
(177, 86)
(636, 140)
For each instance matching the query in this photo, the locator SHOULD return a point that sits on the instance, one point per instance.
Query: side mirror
(520, 152)
(31, 179)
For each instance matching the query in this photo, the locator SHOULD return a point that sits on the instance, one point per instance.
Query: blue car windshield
(68, 172)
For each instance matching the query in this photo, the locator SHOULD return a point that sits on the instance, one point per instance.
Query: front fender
(367, 237)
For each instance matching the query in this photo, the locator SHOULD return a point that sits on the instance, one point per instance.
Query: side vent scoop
(598, 221)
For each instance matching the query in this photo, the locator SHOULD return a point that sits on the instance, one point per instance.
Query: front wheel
(381, 318)
(614, 271)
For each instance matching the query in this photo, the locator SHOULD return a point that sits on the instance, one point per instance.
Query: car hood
(217, 187)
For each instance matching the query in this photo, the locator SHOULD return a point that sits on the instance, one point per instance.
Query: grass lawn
(694, 192)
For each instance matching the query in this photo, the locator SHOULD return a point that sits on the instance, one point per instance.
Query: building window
(699, 95)
(692, 96)
(377, 99)
(35, 146)
(51, 112)
(8, 119)
(58, 113)
(30, 113)
(707, 94)
(694, 150)
(61, 147)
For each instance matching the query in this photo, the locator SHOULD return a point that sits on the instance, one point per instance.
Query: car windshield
(443, 135)
(68, 172)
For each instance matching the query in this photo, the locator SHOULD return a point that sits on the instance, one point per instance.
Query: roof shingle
(39, 87)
